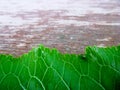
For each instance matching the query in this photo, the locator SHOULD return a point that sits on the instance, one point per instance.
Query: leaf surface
(48, 69)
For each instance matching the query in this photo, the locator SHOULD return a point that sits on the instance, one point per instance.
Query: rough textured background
(68, 25)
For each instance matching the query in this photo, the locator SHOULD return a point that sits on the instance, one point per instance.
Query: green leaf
(48, 69)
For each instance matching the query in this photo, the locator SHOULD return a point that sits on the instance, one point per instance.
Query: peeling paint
(68, 25)
(104, 39)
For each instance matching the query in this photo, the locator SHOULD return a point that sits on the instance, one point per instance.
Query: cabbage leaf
(47, 69)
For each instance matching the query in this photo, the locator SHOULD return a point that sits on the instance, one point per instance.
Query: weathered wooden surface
(68, 25)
